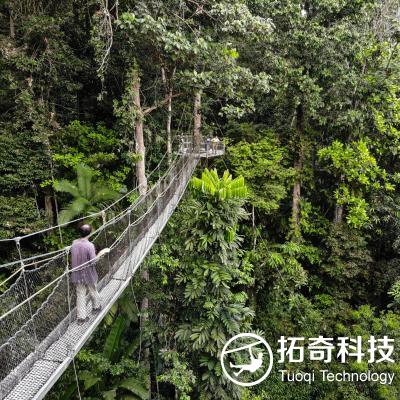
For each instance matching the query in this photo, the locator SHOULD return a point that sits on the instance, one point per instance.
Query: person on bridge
(214, 143)
(208, 141)
(85, 275)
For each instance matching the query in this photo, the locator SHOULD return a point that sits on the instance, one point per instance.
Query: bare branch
(148, 110)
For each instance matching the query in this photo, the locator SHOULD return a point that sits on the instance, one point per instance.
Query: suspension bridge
(39, 334)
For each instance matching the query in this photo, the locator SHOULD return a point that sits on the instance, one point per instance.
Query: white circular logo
(248, 358)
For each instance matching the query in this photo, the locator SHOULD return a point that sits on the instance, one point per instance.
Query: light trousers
(94, 296)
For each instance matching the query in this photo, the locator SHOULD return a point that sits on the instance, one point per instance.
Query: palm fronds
(87, 194)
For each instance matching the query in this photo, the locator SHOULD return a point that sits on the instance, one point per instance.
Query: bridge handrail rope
(83, 266)
(91, 215)
(60, 254)
(103, 227)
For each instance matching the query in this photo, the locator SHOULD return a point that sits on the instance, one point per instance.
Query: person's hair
(85, 230)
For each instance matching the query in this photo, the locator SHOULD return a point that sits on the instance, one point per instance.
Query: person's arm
(92, 251)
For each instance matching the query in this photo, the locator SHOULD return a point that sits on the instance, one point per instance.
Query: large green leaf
(87, 195)
(114, 338)
(222, 188)
(136, 387)
(109, 318)
(110, 394)
(129, 308)
(89, 379)
(66, 215)
(135, 343)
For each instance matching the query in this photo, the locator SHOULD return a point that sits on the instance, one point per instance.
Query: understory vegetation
(294, 231)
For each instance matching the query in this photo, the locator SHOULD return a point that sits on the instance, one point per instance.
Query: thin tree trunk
(12, 26)
(169, 123)
(298, 166)
(339, 209)
(139, 139)
(48, 207)
(253, 218)
(197, 118)
(338, 214)
(296, 194)
(168, 93)
(48, 196)
(36, 201)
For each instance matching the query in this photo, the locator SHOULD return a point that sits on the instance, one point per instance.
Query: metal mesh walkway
(39, 335)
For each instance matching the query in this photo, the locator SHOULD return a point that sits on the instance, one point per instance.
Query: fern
(395, 292)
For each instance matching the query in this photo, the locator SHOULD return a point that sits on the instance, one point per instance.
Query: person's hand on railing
(102, 252)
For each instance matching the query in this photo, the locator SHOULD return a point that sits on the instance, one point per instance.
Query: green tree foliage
(263, 163)
(100, 148)
(19, 216)
(358, 173)
(178, 375)
(211, 291)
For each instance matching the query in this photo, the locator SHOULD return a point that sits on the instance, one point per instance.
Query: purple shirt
(83, 251)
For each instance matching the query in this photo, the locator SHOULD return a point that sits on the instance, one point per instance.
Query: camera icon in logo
(247, 359)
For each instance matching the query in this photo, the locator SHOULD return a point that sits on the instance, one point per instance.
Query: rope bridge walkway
(39, 335)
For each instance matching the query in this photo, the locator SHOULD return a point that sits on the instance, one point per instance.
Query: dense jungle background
(306, 97)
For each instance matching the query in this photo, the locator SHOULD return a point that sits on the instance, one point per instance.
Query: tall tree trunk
(298, 166)
(168, 94)
(339, 208)
(142, 181)
(296, 194)
(197, 118)
(338, 218)
(169, 123)
(139, 139)
(12, 26)
(48, 208)
(49, 194)
(253, 219)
